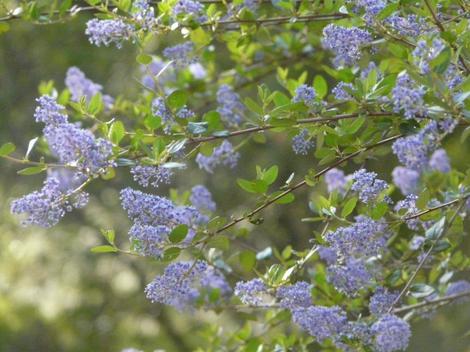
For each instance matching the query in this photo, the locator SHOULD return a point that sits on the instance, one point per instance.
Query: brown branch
(303, 183)
(301, 121)
(423, 260)
(446, 299)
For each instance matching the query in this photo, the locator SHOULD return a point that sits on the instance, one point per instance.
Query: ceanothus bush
(400, 78)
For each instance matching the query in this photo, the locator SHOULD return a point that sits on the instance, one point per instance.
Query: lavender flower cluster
(80, 86)
(346, 43)
(181, 54)
(47, 206)
(183, 283)
(224, 155)
(229, 107)
(302, 143)
(146, 175)
(106, 32)
(367, 185)
(154, 217)
(192, 8)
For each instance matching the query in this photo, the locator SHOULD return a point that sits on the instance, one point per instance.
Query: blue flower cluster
(391, 334)
(381, 301)
(407, 97)
(305, 94)
(336, 181)
(105, 32)
(183, 283)
(181, 54)
(80, 86)
(201, 199)
(143, 14)
(146, 175)
(229, 107)
(346, 43)
(251, 292)
(423, 54)
(154, 217)
(191, 8)
(224, 155)
(69, 143)
(367, 185)
(302, 143)
(48, 205)
(295, 296)
(407, 26)
(340, 93)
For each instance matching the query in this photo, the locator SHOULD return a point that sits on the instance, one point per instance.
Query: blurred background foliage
(57, 296)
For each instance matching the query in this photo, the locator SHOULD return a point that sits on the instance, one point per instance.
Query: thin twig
(446, 299)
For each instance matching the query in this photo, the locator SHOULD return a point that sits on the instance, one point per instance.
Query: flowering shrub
(387, 245)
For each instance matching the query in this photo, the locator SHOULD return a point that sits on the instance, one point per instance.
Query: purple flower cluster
(409, 26)
(49, 112)
(301, 143)
(409, 204)
(367, 185)
(417, 242)
(350, 277)
(340, 93)
(224, 155)
(346, 43)
(348, 250)
(48, 205)
(412, 151)
(364, 238)
(295, 296)
(181, 54)
(230, 107)
(105, 32)
(183, 282)
(336, 180)
(459, 287)
(191, 8)
(371, 8)
(381, 301)
(439, 161)
(321, 322)
(201, 199)
(143, 14)
(423, 54)
(405, 179)
(146, 175)
(69, 143)
(391, 334)
(150, 72)
(154, 217)
(407, 97)
(251, 292)
(80, 86)
(304, 94)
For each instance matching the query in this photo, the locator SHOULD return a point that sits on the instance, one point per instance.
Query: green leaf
(435, 231)
(247, 260)
(96, 104)
(33, 170)
(178, 234)
(104, 249)
(177, 99)
(171, 254)
(246, 185)
(197, 127)
(7, 149)
(349, 207)
(442, 61)
(144, 59)
(271, 174)
(421, 290)
(117, 132)
(220, 242)
(321, 87)
(110, 235)
(288, 198)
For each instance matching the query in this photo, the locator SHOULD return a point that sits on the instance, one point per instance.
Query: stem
(423, 260)
(446, 299)
(303, 183)
(302, 121)
(442, 29)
